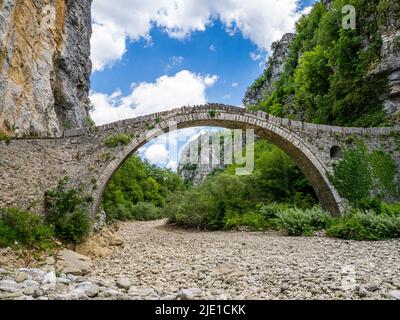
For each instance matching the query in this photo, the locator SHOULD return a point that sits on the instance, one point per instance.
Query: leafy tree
(138, 182)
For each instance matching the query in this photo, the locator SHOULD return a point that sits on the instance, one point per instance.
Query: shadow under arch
(289, 142)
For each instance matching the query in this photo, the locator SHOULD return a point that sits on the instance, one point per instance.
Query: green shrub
(319, 219)
(359, 225)
(297, 222)
(352, 177)
(207, 205)
(67, 209)
(90, 122)
(271, 211)
(390, 209)
(213, 113)
(189, 209)
(24, 228)
(254, 220)
(119, 212)
(4, 137)
(118, 139)
(146, 211)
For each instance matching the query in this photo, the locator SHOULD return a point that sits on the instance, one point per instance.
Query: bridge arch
(265, 126)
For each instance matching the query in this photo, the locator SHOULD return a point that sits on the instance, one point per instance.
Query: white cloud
(173, 165)
(109, 109)
(227, 96)
(256, 56)
(235, 84)
(108, 45)
(174, 62)
(212, 48)
(261, 21)
(157, 154)
(210, 80)
(182, 89)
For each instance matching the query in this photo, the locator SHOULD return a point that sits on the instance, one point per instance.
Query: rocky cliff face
(44, 66)
(388, 65)
(276, 63)
(390, 61)
(194, 172)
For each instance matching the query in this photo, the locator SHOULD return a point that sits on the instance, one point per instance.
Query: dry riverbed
(149, 260)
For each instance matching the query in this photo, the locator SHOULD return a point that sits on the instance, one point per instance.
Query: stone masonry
(29, 167)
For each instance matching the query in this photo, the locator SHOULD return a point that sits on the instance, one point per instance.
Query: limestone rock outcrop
(44, 66)
(389, 63)
(194, 169)
(276, 63)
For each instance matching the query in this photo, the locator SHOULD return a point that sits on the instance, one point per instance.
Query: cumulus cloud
(167, 149)
(117, 21)
(183, 89)
(157, 154)
(108, 108)
(108, 45)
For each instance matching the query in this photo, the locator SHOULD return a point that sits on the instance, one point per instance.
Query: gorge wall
(44, 66)
(194, 172)
(390, 61)
(276, 63)
(378, 31)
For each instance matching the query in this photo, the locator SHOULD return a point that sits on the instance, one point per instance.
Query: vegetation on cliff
(327, 77)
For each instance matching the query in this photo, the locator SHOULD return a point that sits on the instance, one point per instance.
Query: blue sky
(213, 51)
(159, 54)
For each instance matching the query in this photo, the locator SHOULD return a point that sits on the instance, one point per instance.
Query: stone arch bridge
(29, 167)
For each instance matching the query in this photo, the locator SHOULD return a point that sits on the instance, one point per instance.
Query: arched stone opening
(336, 153)
(294, 146)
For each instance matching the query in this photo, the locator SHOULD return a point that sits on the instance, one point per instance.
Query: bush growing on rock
(118, 139)
(67, 209)
(24, 228)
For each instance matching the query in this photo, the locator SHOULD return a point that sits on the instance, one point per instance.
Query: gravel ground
(164, 262)
(243, 265)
